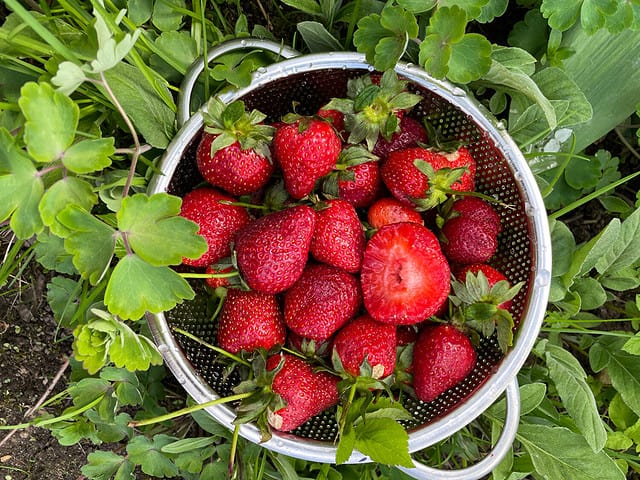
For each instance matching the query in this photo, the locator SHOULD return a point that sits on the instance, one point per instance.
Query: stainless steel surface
(525, 248)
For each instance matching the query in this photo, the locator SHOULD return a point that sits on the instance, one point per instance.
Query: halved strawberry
(442, 357)
(322, 300)
(218, 222)
(405, 277)
(272, 251)
(305, 392)
(387, 210)
(338, 237)
(425, 178)
(250, 320)
(365, 339)
(234, 152)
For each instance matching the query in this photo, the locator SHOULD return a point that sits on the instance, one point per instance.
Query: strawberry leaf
(384, 441)
(20, 189)
(346, 444)
(51, 121)
(136, 286)
(66, 191)
(149, 221)
(88, 156)
(90, 241)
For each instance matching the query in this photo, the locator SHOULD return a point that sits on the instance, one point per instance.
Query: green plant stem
(212, 347)
(188, 410)
(234, 449)
(210, 275)
(587, 331)
(587, 198)
(352, 24)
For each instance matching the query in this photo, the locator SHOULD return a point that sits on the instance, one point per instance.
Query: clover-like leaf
(20, 189)
(110, 52)
(51, 121)
(68, 77)
(66, 191)
(136, 287)
(147, 453)
(155, 230)
(88, 156)
(133, 352)
(90, 241)
(470, 58)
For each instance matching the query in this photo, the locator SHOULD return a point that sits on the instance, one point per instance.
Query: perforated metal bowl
(524, 252)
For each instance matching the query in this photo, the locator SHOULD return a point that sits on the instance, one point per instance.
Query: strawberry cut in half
(405, 277)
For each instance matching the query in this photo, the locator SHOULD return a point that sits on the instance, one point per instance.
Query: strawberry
(478, 208)
(250, 320)
(410, 134)
(306, 149)
(425, 177)
(404, 275)
(272, 250)
(322, 300)
(365, 339)
(218, 222)
(306, 393)
(374, 107)
(338, 237)
(220, 281)
(234, 153)
(387, 210)
(467, 240)
(483, 297)
(442, 357)
(335, 117)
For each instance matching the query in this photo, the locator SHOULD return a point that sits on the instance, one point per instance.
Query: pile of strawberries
(339, 244)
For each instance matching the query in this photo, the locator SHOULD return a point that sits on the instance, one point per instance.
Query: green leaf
(110, 52)
(368, 34)
(624, 251)
(178, 50)
(470, 58)
(167, 14)
(318, 38)
(88, 156)
(399, 21)
(531, 396)
(346, 445)
(68, 77)
(557, 452)
(388, 52)
(20, 189)
(102, 465)
(384, 440)
(622, 368)
(473, 8)
(186, 444)
(570, 380)
(133, 352)
(620, 414)
(417, 6)
(149, 221)
(91, 242)
(139, 11)
(151, 116)
(492, 10)
(62, 294)
(448, 23)
(147, 453)
(136, 287)
(66, 191)
(562, 14)
(307, 6)
(592, 294)
(51, 254)
(434, 56)
(563, 244)
(51, 120)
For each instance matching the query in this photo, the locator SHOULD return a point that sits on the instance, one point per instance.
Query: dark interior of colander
(311, 90)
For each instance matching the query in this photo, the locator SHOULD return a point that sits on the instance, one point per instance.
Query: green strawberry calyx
(439, 182)
(478, 306)
(233, 123)
(371, 110)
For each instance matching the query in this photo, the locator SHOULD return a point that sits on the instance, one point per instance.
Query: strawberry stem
(210, 275)
(244, 204)
(480, 195)
(188, 410)
(219, 350)
(234, 449)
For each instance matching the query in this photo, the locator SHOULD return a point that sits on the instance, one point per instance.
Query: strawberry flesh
(405, 277)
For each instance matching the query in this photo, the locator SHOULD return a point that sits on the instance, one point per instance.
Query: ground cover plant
(88, 105)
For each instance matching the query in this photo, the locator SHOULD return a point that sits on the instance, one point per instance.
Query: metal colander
(523, 253)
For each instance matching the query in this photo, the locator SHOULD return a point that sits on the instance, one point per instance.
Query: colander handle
(190, 78)
(491, 461)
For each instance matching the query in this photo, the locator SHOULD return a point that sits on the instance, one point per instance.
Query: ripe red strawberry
(428, 183)
(364, 186)
(411, 134)
(234, 152)
(218, 222)
(335, 117)
(272, 251)
(338, 237)
(306, 149)
(442, 357)
(387, 210)
(306, 393)
(250, 320)
(405, 277)
(365, 338)
(322, 300)
(467, 240)
(215, 282)
(479, 209)
(493, 276)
